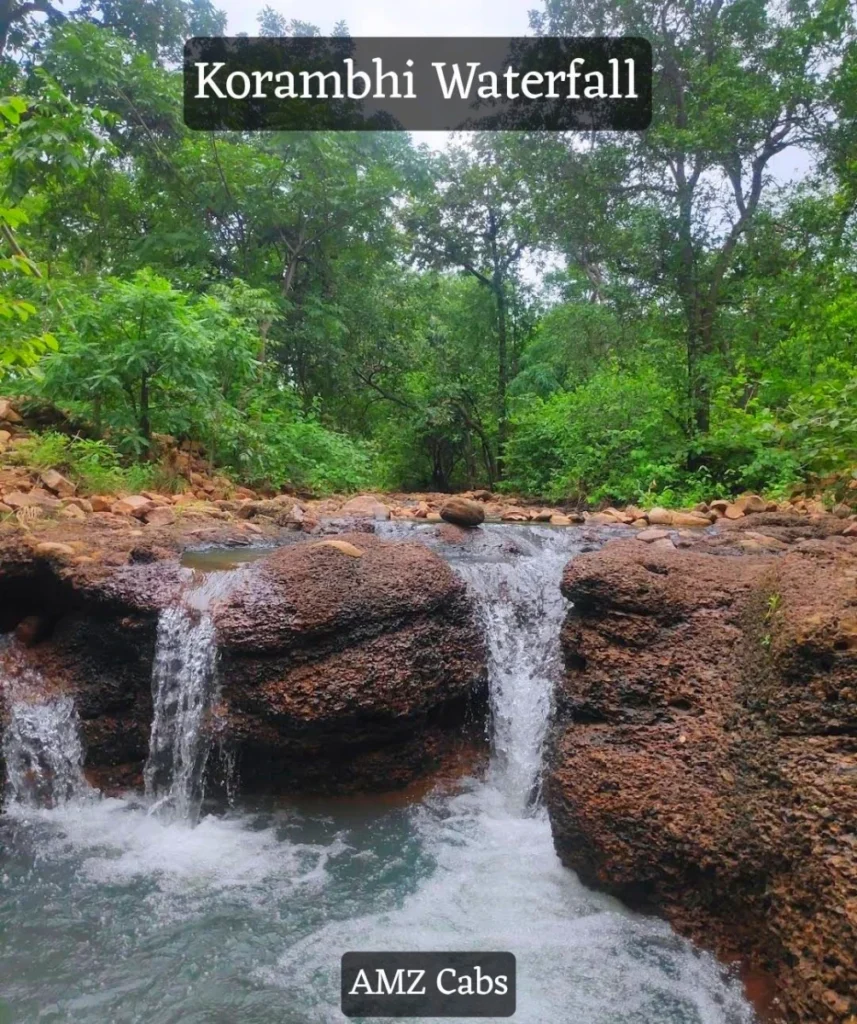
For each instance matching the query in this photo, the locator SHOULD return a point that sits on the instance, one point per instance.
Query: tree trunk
(502, 375)
(145, 423)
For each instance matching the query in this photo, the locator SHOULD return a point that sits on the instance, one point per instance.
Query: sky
(393, 17)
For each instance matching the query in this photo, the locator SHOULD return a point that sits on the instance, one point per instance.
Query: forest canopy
(650, 317)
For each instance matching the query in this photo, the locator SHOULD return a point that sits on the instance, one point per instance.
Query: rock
(751, 504)
(706, 724)
(101, 503)
(544, 516)
(135, 505)
(659, 517)
(365, 506)
(620, 517)
(842, 511)
(481, 495)
(689, 519)
(346, 663)
(462, 512)
(84, 504)
(651, 535)
(342, 546)
(4, 508)
(57, 483)
(18, 500)
(7, 413)
(30, 630)
(160, 516)
(734, 511)
(850, 530)
(557, 519)
(603, 519)
(73, 512)
(51, 549)
(433, 517)
(5, 437)
(514, 514)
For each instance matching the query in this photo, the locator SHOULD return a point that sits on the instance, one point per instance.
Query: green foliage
(336, 311)
(95, 466)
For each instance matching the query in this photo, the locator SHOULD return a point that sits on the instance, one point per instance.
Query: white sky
(393, 17)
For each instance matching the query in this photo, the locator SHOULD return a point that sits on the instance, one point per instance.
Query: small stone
(365, 506)
(659, 517)
(343, 546)
(101, 503)
(842, 511)
(134, 505)
(750, 504)
(433, 517)
(651, 535)
(603, 519)
(7, 413)
(51, 548)
(18, 499)
(57, 483)
(84, 504)
(462, 512)
(690, 519)
(161, 515)
(73, 512)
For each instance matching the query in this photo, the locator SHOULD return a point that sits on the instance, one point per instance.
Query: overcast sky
(393, 17)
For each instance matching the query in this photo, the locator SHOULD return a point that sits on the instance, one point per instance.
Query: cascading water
(184, 687)
(246, 916)
(522, 609)
(43, 754)
(41, 746)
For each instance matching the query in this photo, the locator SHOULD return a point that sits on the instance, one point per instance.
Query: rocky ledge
(345, 663)
(703, 762)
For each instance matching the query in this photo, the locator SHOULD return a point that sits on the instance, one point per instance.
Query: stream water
(109, 913)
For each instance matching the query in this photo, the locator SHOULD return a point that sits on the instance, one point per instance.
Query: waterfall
(42, 747)
(514, 575)
(44, 754)
(184, 689)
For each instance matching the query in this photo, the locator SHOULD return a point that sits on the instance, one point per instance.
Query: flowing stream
(111, 914)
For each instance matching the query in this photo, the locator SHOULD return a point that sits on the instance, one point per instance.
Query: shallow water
(109, 914)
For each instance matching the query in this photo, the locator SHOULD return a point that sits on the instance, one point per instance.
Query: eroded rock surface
(704, 760)
(344, 663)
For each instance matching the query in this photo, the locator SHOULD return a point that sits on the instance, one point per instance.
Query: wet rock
(703, 760)
(651, 535)
(333, 661)
(463, 512)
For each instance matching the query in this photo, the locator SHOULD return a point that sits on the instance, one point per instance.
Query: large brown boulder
(462, 512)
(347, 662)
(704, 758)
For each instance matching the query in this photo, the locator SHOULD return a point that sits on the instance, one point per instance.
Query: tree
(736, 84)
(475, 216)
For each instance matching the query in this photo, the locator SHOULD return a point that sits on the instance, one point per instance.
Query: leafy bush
(94, 466)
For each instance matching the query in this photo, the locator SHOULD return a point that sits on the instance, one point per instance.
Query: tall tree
(475, 216)
(737, 82)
